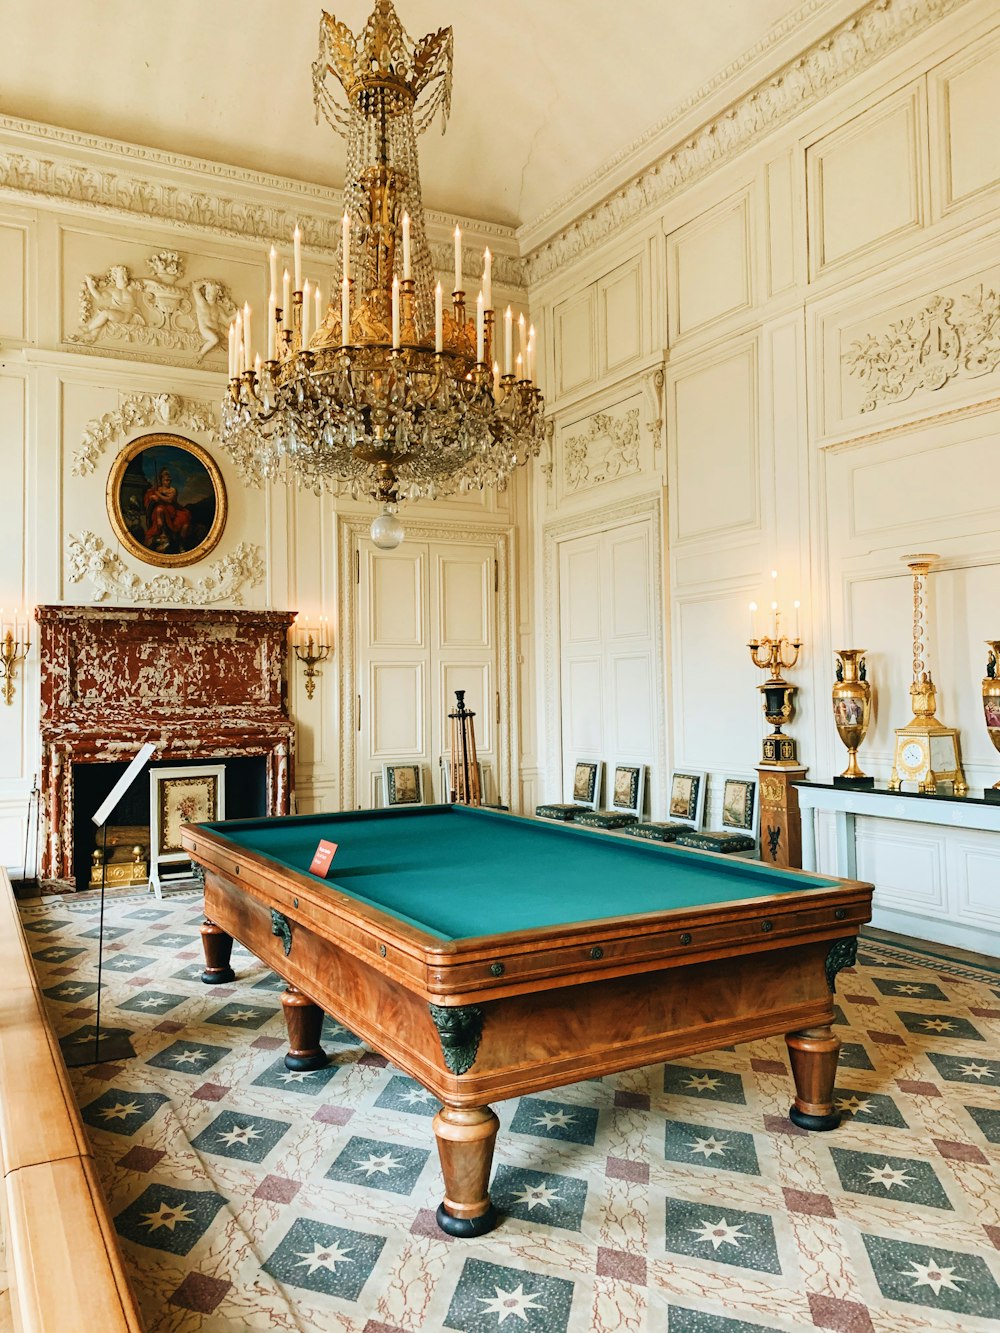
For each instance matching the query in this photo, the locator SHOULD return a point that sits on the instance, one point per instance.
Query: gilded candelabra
(776, 653)
(311, 648)
(14, 645)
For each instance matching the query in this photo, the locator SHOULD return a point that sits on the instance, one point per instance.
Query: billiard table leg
(465, 1138)
(217, 946)
(813, 1054)
(304, 1021)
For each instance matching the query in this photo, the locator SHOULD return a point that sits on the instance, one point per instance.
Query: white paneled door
(608, 677)
(427, 626)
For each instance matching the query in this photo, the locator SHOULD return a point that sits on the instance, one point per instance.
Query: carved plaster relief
(606, 449)
(142, 409)
(88, 557)
(950, 337)
(158, 311)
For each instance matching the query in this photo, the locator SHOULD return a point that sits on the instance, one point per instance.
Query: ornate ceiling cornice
(851, 47)
(81, 171)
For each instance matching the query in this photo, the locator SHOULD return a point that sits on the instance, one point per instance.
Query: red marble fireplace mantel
(199, 684)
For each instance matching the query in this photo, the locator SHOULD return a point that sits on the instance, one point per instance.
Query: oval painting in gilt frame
(166, 500)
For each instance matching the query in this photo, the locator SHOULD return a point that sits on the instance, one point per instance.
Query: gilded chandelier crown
(382, 57)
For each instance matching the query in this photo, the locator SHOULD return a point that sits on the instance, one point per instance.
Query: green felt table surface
(459, 873)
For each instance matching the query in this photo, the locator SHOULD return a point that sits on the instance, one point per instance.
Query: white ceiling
(545, 91)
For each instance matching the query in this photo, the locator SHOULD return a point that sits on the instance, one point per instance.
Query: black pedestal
(855, 784)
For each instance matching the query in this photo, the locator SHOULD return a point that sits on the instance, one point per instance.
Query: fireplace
(200, 684)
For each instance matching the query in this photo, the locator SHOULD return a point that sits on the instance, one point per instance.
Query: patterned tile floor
(673, 1198)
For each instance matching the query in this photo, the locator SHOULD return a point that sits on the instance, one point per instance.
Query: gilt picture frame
(628, 788)
(586, 788)
(166, 500)
(740, 807)
(402, 784)
(686, 796)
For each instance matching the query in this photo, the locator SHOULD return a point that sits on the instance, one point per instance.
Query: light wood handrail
(64, 1262)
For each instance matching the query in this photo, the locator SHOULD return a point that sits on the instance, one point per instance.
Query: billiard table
(489, 955)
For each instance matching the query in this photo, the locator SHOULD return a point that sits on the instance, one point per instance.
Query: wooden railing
(63, 1260)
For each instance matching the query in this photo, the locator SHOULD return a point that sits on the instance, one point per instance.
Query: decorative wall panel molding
(158, 311)
(83, 171)
(951, 337)
(852, 47)
(607, 449)
(138, 410)
(89, 558)
(652, 384)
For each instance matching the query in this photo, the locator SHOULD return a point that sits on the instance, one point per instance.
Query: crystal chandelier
(387, 393)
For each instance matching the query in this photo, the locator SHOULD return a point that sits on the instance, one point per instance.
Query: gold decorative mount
(13, 651)
(311, 652)
(927, 752)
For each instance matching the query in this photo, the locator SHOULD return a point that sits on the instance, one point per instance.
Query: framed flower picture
(587, 776)
(166, 500)
(628, 789)
(687, 797)
(402, 784)
(739, 805)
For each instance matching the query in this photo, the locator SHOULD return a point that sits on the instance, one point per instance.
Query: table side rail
(469, 969)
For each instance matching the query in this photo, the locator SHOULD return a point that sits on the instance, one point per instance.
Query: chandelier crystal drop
(388, 393)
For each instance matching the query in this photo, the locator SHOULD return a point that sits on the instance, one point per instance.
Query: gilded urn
(852, 698)
(991, 705)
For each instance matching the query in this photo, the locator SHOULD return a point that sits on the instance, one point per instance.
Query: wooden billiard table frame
(498, 1016)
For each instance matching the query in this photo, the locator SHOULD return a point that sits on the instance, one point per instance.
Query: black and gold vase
(852, 700)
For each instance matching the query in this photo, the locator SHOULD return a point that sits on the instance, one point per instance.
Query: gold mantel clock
(927, 752)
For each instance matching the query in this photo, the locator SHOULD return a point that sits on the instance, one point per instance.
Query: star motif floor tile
(536, 1196)
(706, 1145)
(555, 1120)
(973, 1068)
(721, 1235)
(241, 1015)
(888, 1177)
(853, 1055)
(406, 1094)
(165, 1218)
(152, 1002)
(988, 1120)
(379, 1165)
(122, 1111)
(488, 1295)
(933, 1276)
(868, 1108)
(310, 1082)
(189, 1057)
(912, 990)
(682, 1320)
(71, 991)
(244, 1137)
(936, 1024)
(710, 1085)
(332, 1260)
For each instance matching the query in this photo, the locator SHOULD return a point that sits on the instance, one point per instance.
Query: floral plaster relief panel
(923, 355)
(98, 423)
(602, 448)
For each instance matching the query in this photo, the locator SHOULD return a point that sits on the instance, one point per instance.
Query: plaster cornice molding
(851, 47)
(108, 176)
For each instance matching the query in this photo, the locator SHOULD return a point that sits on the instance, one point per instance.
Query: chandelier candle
(395, 397)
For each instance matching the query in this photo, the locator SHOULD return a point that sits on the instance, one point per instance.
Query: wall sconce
(776, 653)
(312, 645)
(14, 645)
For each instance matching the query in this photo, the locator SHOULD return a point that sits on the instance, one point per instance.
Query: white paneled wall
(826, 308)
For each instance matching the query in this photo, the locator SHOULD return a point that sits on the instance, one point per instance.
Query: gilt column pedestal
(780, 821)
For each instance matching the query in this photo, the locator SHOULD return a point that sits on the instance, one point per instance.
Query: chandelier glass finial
(388, 392)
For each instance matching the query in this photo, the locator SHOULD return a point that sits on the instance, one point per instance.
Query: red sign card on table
(324, 855)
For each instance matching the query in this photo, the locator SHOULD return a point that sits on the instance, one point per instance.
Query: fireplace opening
(128, 826)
